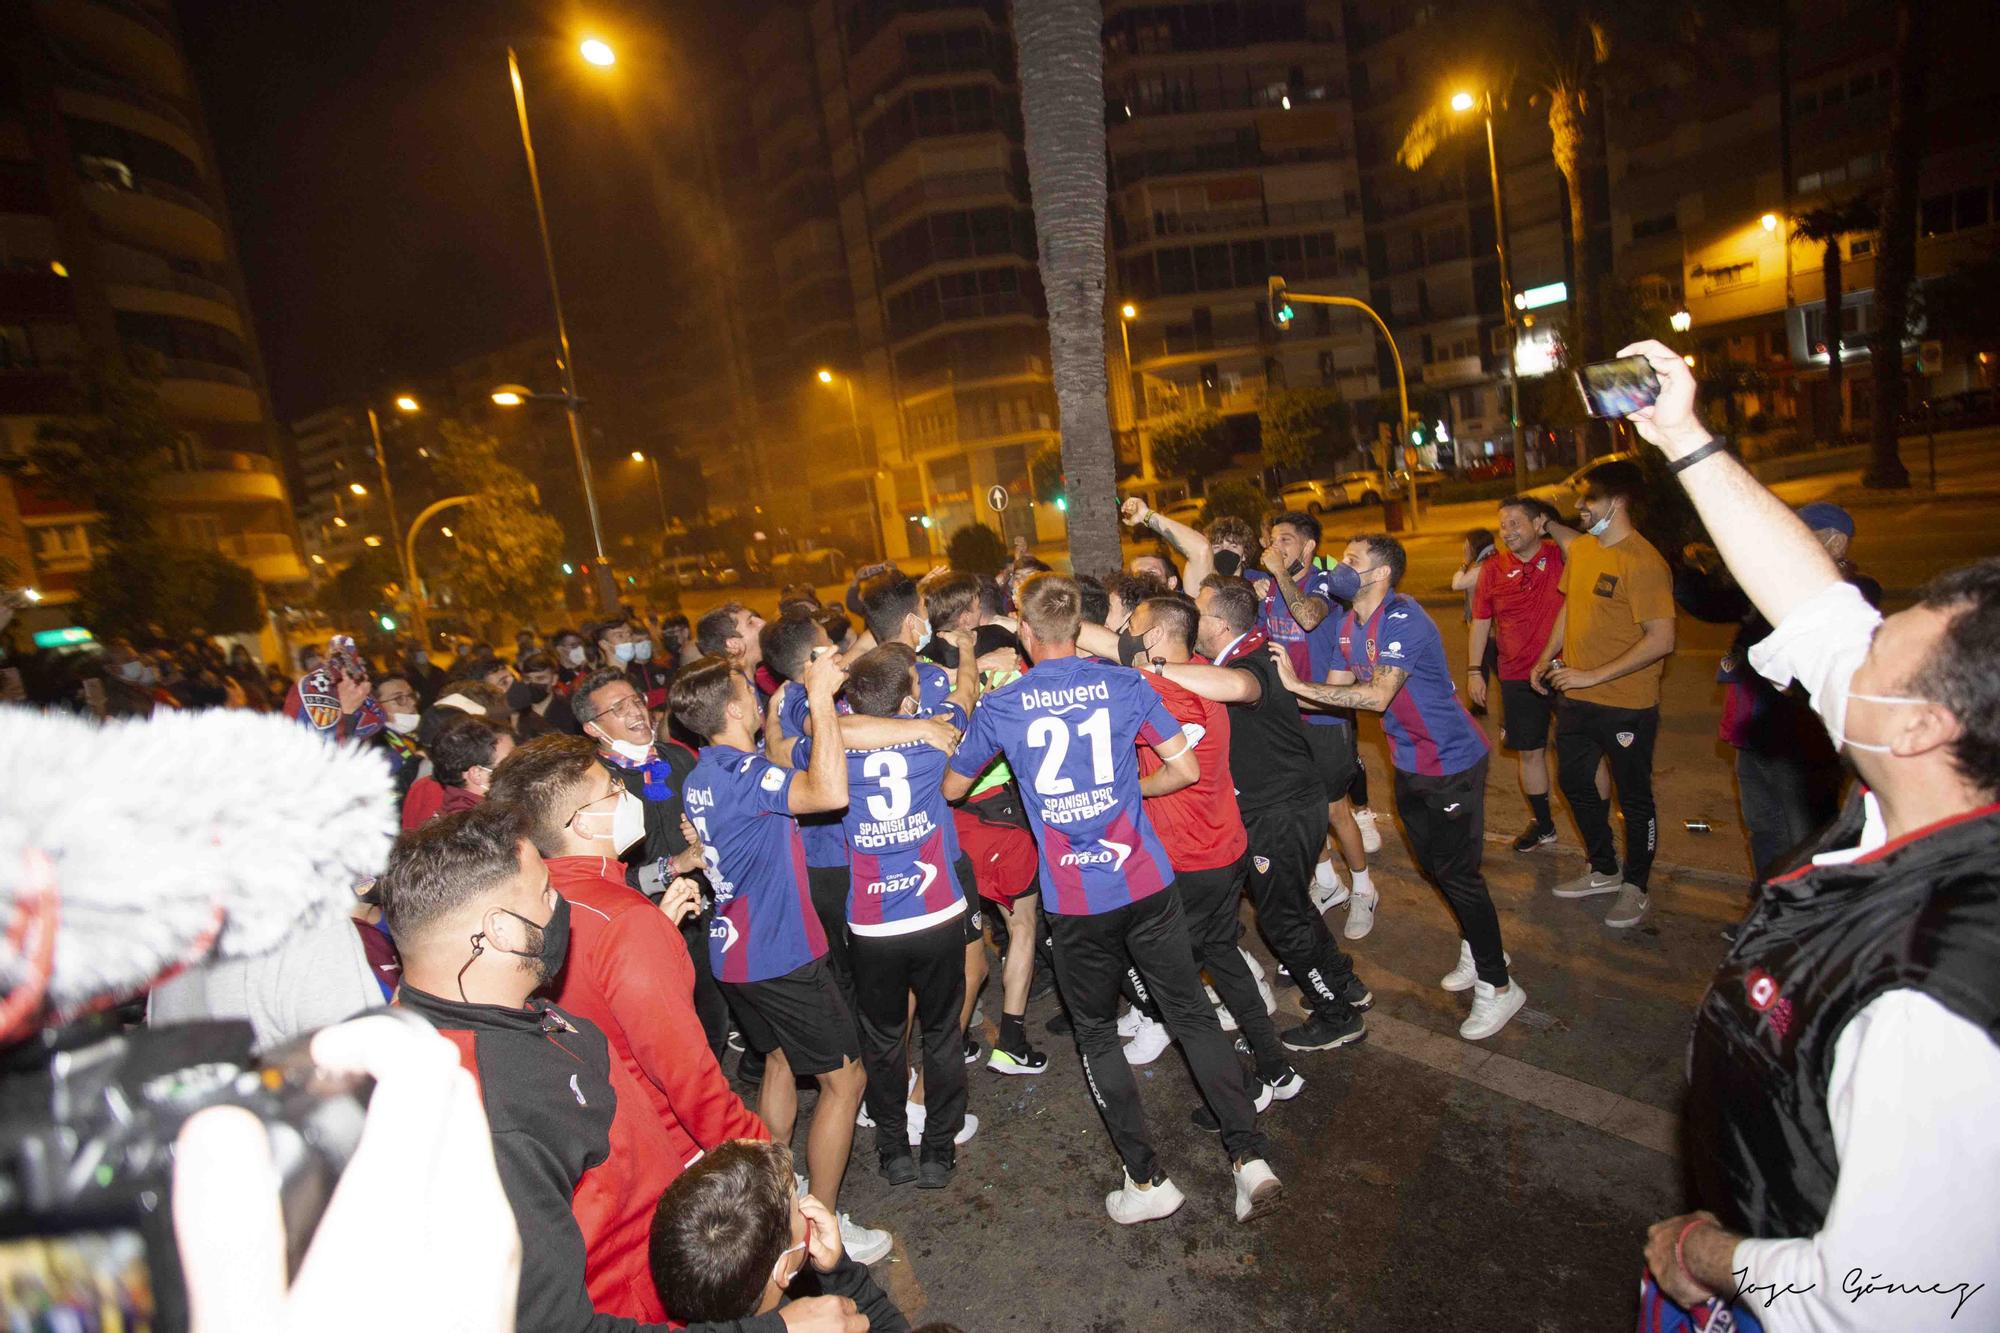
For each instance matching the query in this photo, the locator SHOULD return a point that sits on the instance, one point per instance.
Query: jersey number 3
(1052, 734)
(892, 770)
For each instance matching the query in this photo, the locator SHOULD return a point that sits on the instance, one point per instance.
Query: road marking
(1608, 1112)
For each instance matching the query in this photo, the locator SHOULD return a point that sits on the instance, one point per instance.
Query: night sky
(380, 199)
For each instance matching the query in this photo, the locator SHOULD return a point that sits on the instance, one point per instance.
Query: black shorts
(1525, 716)
(802, 1013)
(1333, 757)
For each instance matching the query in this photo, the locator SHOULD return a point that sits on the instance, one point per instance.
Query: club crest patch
(1263, 864)
(773, 779)
(1625, 739)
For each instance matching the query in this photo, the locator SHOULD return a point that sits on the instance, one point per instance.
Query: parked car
(1563, 494)
(1187, 511)
(1320, 494)
(823, 564)
(1486, 469)
(1428, 479)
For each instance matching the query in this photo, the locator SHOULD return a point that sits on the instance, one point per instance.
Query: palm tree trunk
(1895, 265)
(1061, 65)
(1829, 267)
(1567, 133)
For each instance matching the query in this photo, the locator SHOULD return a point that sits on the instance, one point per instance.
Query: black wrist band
(1686, 461)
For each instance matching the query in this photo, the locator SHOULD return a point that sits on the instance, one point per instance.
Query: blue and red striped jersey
(1309, 648)
(902, 840)
(764, 923)
(1429, 731)
(826, 845)
(1068, 727)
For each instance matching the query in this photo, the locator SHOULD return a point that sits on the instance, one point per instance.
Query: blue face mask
(1597, 529)
(623, 651)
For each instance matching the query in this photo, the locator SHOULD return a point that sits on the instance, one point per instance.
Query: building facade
(115, 243)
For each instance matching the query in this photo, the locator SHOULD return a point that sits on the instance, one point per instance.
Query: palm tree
(1896, 263)
(1824, 226)
(1558, 48)
(1061, 62)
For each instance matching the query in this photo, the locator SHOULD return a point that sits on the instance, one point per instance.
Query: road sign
(1930, 357)
(996, 498)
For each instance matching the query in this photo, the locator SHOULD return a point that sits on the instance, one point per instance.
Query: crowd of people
(636, 855)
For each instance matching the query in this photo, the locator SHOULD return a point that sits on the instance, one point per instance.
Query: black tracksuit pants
(1209, 897)
(887, 970)
(1624, 738)
(1092, 954)
(1446, 818)
(1285, 843)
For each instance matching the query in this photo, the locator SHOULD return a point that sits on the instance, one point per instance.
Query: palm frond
(1425, 136)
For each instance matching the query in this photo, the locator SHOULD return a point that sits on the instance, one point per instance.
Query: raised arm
(1191, 546)
(823, 786)
(1561, 533)
(1306, 608)
(1774, 556)
(965, 681)
(1373, 696)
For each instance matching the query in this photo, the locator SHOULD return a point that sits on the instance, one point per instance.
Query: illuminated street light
(32, 594)
(319, 559)
(356, 488)
(1463, 101)
(371, 540)
(1681, 321)
(405, 403)
(1770, 221)
(638, 457)
(447, 532)
(826, 377)
(339, 522)
(508, 395)
(1129, 311)
(597, 52)
(1689, 358)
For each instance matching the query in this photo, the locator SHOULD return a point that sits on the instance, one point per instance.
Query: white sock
(1324, 875)
(1362, 884)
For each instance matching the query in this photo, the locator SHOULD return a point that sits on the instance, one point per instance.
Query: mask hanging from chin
(631, 752)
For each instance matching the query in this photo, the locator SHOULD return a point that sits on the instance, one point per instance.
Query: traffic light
(388, 623)
(1062, 504)
(1281, 304)
(568, 568)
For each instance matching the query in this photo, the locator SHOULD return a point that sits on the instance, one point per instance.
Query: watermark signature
(1855, 1284)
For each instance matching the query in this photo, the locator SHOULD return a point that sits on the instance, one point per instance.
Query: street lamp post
(1465, 102)
(827, 377)
(423, 626)
(404, 403)
(1126, 314)
(597, 53)
(659, 492)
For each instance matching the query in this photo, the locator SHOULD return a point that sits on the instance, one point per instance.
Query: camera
(88, 1122)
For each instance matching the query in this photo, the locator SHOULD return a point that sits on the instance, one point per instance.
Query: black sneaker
(1356, 993)
(1285, 976)
(1320, 1034)
(972, 1050)
(1025, 1061)
(1535, 835)
(899, 1170)
(1060, 1024)
(934, 1175)
(751, 1067)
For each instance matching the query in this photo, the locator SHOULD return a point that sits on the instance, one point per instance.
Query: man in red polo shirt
(1518, 596)
(629, 971)
(1202, 831)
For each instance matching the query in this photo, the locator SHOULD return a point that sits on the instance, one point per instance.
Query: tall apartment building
(1702, 201)
(114, 241)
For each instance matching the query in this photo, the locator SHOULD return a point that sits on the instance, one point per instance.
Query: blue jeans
(1785, 801)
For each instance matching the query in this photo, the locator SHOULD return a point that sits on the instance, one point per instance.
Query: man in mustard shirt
(1606, 653)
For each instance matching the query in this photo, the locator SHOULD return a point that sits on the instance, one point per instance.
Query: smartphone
(1619, 387)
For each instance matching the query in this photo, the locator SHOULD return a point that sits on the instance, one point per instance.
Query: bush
(1238, 499)
(1189, 444)
(976, 549)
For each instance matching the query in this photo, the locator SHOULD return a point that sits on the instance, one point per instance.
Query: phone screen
(1617, 388)
(79, 1275)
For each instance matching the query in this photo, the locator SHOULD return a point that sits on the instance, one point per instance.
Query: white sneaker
(1132, 1204)
(1462, 976)
(1371, 841)
(1491, 1009)
(1589, 884)
(1257, 1190)
(1146, 1045)
(1361, 915)
(1224, 1017)
(918, 1118)
(864, 1245)
(1250, 961)
(1286, 1088)
(862, 1120)
(1327, 891)
(1130, 1021)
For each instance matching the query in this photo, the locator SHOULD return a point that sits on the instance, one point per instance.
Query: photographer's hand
(419, 1210)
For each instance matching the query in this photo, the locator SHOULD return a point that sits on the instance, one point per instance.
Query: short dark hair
(1959, 673)
(595, 630)
(713, 631)
(719, 1229)
(1533, 506)
(885, 600)
(1230, 528)
(1052, 606)
(1093, 599)
(1235, 603)
(467, 742)
(788, 642)
(1617, 479)
(450, 861)
(836, 622)
(1300, 522)
(540, 780)
(1176, 615)
(992, 598)
(947, 593)
(1388, 551)
(580, 695)
(879, 678)
(1132, 589)
(537, 661)
(700, 693)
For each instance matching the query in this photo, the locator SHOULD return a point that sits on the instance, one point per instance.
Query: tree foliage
(1045, 473)
(1238, 499)
(135, 588)
(976, 549)
(107, 448)
(1189, 443)
(508, 550)
(363, 586)
(1964, 304)
(1306, 428)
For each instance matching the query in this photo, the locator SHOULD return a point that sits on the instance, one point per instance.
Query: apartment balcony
(205, 391)
(173, 301)
(271, 556)
(222, 479)
(155, 214)
(122, 35)
(963, 189)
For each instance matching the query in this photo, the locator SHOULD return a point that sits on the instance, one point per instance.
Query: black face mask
(1228, 563)
(551, 950)
(521, 696)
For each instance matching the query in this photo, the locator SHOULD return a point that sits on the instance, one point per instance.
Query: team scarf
(312, 703)
(654, 773)
(1252, 642)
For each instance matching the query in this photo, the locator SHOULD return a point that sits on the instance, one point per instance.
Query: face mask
(573, 656)
(552, 949)
(642, 651)
(923, 634)
(536, 692)
(1227, 563)
(1597, 529)
(637, 754)
(1296, 568)
(520, 695)
(1841, 742)
(624, 652)
(628, 824)
(402, 723)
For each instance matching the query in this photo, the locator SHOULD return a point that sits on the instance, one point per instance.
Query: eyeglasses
(615, 790)
(631, 705)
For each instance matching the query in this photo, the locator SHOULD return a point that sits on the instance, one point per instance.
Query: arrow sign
(996, 498)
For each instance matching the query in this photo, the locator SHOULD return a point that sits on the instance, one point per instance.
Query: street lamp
(405, 403)
(1770, 221)
(597, 53)
(659, 493)
(1462, 102)
(1126, 314)
(356, 488)
(1681, 321)
(827, 377)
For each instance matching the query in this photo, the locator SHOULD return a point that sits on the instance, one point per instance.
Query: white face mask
(627, 823)
(637, 754)
(923, 634)
(1597, 529)
(1841, 742)
(573, 656)
(624, 651)
(642, 651)
(402, 723)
